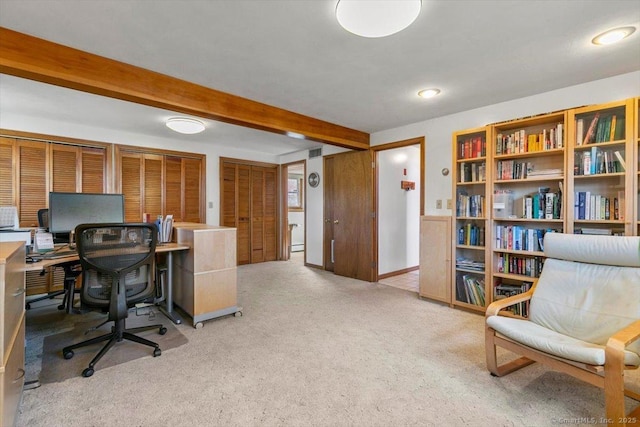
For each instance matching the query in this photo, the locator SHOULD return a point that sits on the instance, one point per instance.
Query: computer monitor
(67, 210)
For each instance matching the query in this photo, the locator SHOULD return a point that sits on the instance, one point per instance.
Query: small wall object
(314, 179)
(407, 185)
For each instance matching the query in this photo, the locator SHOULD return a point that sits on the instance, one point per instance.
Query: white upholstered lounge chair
(584, 317)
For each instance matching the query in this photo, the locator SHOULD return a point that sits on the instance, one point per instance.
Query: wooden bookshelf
(528, 158)
(636, 138)
(535, 156)
(610, 181)
(471, 233)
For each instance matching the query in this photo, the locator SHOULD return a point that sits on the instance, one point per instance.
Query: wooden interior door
(353, 219)
(328, 214)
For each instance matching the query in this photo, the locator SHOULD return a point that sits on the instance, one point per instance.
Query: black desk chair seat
(117, 265)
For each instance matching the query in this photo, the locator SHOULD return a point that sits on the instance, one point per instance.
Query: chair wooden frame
(609, 376)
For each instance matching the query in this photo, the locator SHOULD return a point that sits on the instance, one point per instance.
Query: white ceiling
(294, 55)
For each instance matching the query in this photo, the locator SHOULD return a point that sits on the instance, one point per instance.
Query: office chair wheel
(87, 372)
(157, 352)
(61, 307)
(162, 330)
(68, 354)
(27, 306)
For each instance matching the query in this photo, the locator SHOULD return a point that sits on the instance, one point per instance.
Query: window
(294, 193)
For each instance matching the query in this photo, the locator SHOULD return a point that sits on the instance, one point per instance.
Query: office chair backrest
(118, 257)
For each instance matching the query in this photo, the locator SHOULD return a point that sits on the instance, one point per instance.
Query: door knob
(336, 221)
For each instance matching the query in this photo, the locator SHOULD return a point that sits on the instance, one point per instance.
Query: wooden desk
(168, 248)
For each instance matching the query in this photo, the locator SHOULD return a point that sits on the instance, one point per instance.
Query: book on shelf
(579, 131)
(545, 172)
(620, 160)
(619, 131)
(591, 131)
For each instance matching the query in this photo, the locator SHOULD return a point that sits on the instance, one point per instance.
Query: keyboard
(62, 253)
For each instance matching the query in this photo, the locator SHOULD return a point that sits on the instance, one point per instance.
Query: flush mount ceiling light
(429, 93)
(376, 18)
(613, 36)
(185, 125)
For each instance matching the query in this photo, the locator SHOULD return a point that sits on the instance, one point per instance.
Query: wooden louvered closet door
(160, 184)
(249, 200)
(30, 169)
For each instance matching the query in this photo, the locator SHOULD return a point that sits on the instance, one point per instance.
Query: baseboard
(397, 273)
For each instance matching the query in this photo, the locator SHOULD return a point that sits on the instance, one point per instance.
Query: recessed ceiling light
(613, 36)
(185, 125)
(377, 18)
(429, 93)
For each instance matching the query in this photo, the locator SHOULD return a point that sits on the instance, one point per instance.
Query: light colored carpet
(314, 349)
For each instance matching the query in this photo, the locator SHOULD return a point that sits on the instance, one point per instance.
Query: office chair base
(118, 334)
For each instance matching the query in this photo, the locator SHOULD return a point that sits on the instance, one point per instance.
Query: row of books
(473, 172)
(600, 129)
(589, 206)
(470, 264)
(519, 142)
(470, 205)
(471, 235)
(517, 264)
(520, 238)
(542, 205)
(470, 289)
(504, 290)
(598, 161)
(510, 169)
(599, 231)
(472, 148)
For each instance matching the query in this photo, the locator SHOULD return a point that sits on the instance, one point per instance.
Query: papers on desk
(164, 225)
(43, 242)
(165, 228)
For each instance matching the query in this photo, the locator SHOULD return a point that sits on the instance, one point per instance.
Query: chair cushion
(605, 250)
(587, 302)
(554, 343)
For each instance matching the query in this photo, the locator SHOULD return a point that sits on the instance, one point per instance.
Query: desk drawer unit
(12, 294)
(205, 277)
(13, 380)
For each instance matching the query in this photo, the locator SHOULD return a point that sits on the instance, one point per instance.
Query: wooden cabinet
(471, 232)
(205, 277)
(12, 329)
(435, 258)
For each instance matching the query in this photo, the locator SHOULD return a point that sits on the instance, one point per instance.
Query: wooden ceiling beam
(32, 58)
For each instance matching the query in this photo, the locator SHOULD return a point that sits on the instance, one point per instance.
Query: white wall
(398, 210)
(437, 132)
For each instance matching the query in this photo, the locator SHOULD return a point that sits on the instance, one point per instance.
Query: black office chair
(71, 271)
(117, 265)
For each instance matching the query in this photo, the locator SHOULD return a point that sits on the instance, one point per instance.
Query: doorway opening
(400, 204)
(294, 207)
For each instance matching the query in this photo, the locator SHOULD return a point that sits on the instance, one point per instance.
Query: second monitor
(68, 210)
